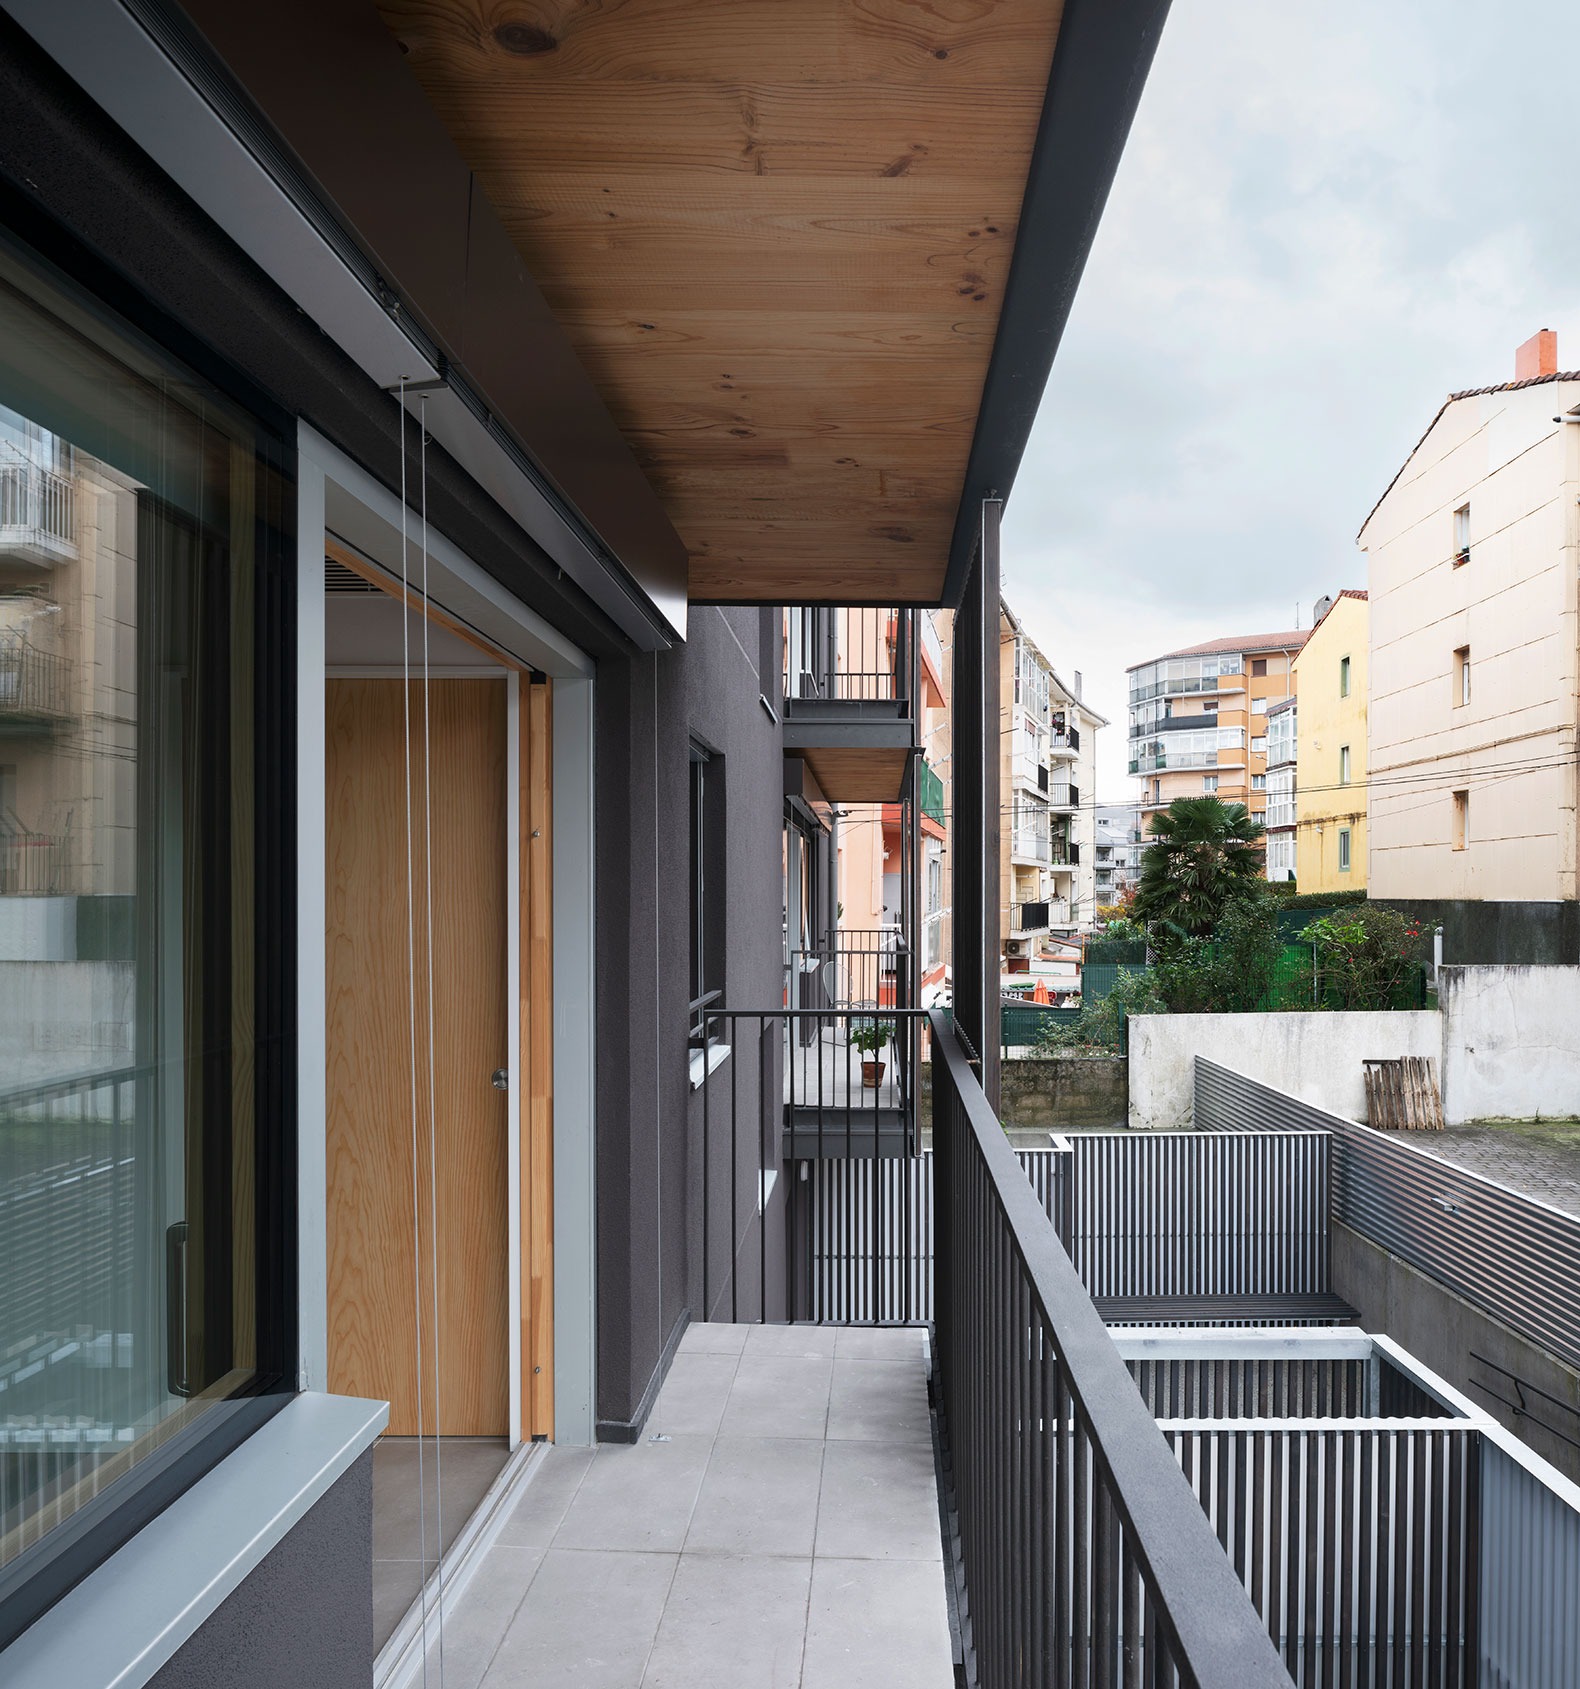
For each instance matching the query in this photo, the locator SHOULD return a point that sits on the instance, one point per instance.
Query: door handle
(501, 1079)
(176, 1310)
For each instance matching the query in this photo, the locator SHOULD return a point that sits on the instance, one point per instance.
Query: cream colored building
(1047, 785)
(1198, 719)
(1331, 762)
(1473, 553)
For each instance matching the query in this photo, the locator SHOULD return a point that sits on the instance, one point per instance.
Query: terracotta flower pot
(872, 1074)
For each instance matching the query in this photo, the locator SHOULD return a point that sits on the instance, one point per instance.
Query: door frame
(335, 494)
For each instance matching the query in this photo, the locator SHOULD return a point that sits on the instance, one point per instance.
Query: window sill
(129, 1617)
(705, 1062)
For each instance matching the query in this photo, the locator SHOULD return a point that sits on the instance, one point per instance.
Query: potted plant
(871, 1036)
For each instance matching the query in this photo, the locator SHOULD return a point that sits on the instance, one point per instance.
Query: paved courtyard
(1538, 1157)
(784, 1535)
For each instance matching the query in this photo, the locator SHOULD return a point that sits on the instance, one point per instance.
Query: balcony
(930, 792)
(1031, 846)
(31, 864)
(1027, 918)
(38, 513)
(850, 684)
(1064, 794)
(1064, 746)
(35, 685)
(1065, 854)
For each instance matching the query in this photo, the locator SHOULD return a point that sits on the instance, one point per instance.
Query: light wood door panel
(373, 1323)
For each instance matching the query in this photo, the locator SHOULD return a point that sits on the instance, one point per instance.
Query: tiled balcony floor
(786, 1535)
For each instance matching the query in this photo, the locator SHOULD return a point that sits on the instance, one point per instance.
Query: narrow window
(1344, 765)
(1344, 677)
(1209, 782)
(1259, 745)
(1344, 850)
(1461, 819)
(1462, 676)
(1461, 536)
(1258, 666)
(1258, 782)
(707, 878)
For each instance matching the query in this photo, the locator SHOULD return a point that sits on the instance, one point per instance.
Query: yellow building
(1330, 763)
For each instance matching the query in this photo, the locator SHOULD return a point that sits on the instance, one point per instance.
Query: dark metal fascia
(1100, 65)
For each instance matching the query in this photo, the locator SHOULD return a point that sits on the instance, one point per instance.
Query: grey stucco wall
(303, 1619)
(1449, 1335)
(649, 1155)
(1511, 1042)
(1478, 932)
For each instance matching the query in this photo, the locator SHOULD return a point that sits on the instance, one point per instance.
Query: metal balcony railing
(1069, 740)
(34, 685)
(1064, 794)
(31, 864)
(849, 654)
(38, 511)
(1032, 917)
(852, 968)
(1087, 1558)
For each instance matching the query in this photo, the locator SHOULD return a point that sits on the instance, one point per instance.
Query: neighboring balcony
(1031, 847)
(930, 792)
(1064, 794)
(850, 684)
(1065, 745)
(35, 685)
(38, 513)
(1029, 918)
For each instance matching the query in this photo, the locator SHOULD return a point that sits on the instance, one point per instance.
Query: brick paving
(1539, 1157)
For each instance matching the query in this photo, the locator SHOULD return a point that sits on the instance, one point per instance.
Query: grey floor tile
(588, 1620)
(779, 1396)
(637, 1496)
(879, 1401)
(692, 1400)
(879, 1343)
(703, 1338)
(732, 1623)
(878, 1502)
(790, 1340)
(879, 1625)
(395, 1587)
(760, 1496)
(474, 1629)
(542, 1504)
(401, 1506)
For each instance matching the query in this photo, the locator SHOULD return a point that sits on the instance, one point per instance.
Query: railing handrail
(47, 1089)
(1214, 1631)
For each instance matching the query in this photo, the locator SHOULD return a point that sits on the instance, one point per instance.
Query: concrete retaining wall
(1511, 1042)
(1316, 1057)
(1065, 1092)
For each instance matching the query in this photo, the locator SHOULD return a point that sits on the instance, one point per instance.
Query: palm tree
(1207, 855)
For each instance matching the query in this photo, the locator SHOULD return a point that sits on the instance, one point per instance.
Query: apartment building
(1048, 751)
(1117, 846)
(1332, 790)
(1473, 555)
(1283, 737)
(1198, 719)
(404, 762)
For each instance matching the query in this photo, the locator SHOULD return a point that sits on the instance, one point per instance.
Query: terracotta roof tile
(1249, 642)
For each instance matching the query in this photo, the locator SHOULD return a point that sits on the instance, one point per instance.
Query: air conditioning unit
(1016, 947)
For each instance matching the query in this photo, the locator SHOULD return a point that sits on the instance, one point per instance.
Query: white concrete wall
(1511, 1043)
(1316, 1057)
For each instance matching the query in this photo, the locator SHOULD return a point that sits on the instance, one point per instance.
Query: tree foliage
(1206, 856)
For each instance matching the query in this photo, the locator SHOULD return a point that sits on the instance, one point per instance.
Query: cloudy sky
(1328, 217)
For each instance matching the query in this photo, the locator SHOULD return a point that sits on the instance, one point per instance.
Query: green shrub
(1366, 957)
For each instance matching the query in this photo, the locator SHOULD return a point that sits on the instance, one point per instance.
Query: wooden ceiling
(778, 234)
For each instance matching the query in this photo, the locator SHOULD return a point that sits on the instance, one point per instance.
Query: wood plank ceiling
(778, 233)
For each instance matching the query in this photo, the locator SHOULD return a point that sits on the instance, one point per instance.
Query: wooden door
(373, 1322)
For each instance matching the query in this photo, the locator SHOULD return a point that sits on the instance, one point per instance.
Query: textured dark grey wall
(649, 1121)
(1477, 933)
(304, 1618)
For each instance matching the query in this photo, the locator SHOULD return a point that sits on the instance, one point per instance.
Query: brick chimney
(1538, 356)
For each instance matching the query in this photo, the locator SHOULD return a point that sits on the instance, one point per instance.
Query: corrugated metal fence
(1141, 1214)
(1520, 1261)
(1478, 1238)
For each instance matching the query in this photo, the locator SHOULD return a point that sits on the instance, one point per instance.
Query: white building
(1281, 813)
(1117, 850)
